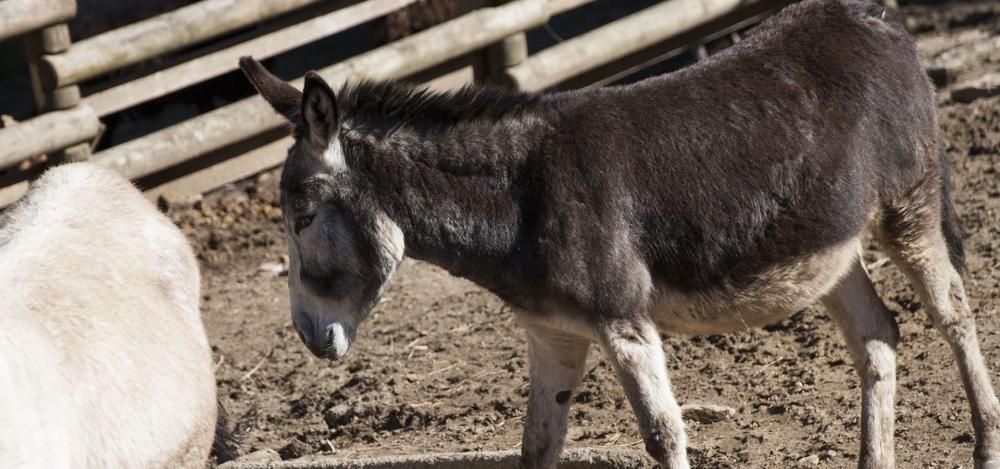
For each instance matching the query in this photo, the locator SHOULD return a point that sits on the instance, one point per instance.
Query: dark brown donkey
(727, 195)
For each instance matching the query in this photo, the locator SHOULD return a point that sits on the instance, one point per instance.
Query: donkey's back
(104, 360)
(784, 146)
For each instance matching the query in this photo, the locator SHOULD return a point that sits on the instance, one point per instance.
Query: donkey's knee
(874, 354)
(879, 362)
(950, 311)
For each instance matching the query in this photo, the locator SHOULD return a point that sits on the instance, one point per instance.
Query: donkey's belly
(772, 296)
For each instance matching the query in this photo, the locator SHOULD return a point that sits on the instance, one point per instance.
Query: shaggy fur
(725, 195)
(746, 187)
(104, 360)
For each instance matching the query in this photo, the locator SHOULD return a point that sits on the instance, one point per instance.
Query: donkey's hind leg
(921, 236)
(871, 334)
(556, 362)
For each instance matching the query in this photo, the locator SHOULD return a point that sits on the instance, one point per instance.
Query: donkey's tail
(949, 219)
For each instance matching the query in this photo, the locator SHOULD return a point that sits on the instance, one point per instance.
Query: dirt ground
(441, 365)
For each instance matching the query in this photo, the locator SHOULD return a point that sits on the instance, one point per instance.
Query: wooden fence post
(502, 55)
(53, 40)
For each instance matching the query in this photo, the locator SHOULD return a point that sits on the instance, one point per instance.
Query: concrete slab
(575, 458)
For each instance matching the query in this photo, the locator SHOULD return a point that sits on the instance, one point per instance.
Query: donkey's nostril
(304, 326)
(307, 334)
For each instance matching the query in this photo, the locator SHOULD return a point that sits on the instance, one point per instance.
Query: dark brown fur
(743, 181)
(779, 146)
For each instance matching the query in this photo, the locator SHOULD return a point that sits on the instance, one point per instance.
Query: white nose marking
(339, 341)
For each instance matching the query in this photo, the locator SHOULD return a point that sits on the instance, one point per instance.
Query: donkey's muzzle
(329, 341)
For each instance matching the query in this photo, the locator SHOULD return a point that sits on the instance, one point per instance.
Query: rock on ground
(707, 413)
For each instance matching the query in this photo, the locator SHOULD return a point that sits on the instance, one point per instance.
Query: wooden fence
(245, 137)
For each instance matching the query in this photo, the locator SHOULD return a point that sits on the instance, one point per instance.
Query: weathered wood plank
(266, 157)
(252, 116)
(634, 62)
(170, 31)
(257, 160)
(21, 16)
(47, 133)
(559, 6)
(12, 193)
(616, 39)
(217, 63)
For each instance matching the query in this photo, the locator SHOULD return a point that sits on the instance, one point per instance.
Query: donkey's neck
(456, 190)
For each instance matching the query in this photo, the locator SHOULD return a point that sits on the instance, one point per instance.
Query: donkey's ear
(284, 98)
(319, 109)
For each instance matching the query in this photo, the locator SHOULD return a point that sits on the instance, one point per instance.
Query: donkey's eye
(303, 222)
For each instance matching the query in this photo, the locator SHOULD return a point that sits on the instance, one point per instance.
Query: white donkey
(104, 362)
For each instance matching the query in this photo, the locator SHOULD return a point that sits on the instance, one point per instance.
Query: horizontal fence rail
(237, 140)
(47, 133)
(168, 32)
(559, 6)
(614, 40)
(252, 116)
(21, 16)
(217, 63)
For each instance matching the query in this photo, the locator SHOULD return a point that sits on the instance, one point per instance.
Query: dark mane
(393, 102)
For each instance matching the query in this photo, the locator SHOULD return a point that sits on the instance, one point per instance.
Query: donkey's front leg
(635, 350)
(556, 361)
